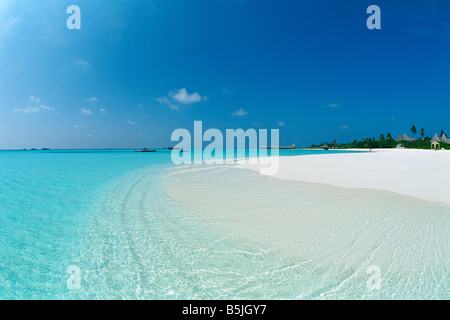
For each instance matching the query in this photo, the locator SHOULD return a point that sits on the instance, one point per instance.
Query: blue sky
(139, 69)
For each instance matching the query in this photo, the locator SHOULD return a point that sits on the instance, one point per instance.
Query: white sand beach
(323, 220)
(424, 174)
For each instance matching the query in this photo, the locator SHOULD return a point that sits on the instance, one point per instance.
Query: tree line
(386, 141)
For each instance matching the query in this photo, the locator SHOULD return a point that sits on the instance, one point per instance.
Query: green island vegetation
(387, 141)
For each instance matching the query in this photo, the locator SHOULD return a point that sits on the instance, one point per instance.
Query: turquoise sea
(97, 224)
(103, 211)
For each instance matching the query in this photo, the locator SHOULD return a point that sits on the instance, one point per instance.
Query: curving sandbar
(424, 174)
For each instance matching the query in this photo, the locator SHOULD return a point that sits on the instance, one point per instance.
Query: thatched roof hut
(435, 138)
(404, 137)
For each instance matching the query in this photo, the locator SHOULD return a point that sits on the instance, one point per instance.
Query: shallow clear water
(47, 201)
(323, 242)
(106, 214)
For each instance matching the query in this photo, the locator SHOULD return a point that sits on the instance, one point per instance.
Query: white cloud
(92, 99)
(28, 110)
(32, 109)
(103, 111)
(280, 123)
(164, 100)
(141, 106)
(182, 96)
(86, 111)
(239, 113)
(43, 107)
(344, 127)
(35, 109)
(34, 99)
(133, 123)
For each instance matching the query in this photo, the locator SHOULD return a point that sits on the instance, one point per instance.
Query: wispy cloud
(33, 109)
(34, 99)
(133, 123)
(102, 111)
(86, 111)
(92, 99)
(332, 105)
(344, 127)
(43, 107)
(167, 102)
(239, 113)
(28, 110)
(81, 64)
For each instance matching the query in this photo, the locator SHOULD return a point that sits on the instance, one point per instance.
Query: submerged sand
(334, 234)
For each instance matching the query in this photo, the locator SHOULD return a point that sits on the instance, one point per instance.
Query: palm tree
(414, 130)
(381, 138)
(442, 133)
(422, 132)
(389, 137)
